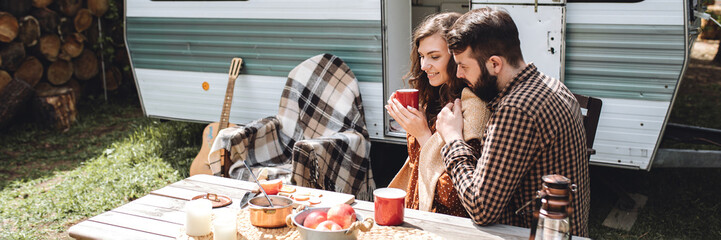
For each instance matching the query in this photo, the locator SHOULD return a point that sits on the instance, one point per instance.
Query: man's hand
(450, 122)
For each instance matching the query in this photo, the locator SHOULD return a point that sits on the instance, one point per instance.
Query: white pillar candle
(224, 226)
(197, 214)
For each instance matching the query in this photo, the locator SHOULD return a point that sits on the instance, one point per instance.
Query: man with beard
(535, 128)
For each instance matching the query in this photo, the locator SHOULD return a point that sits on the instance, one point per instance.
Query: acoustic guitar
(200, 164)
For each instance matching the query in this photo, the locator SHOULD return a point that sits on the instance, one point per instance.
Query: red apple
(342, 214)
(328, 225)
(315, 218)
(272, 187)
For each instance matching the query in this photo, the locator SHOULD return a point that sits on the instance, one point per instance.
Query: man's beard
(486, 87)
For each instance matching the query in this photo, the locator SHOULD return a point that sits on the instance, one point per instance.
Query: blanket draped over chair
(318, 139)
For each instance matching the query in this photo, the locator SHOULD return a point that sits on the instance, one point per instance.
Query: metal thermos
(555, 201)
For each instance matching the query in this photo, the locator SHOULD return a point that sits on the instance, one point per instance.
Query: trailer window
(604, 1)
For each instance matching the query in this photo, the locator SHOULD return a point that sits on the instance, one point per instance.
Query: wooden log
(83, 20)
(17, 8)
(50, 46)
(29, 31)
(8, 27)
(41, 3)
(47, 18)
(113, 78)
(56, 107)
(73, 45)
(13, 98)
(69, 7)
(98, 7)
(86, 65)
(5, 78)
(77, 88)
(12, 55)
(59, 72)
(31, 71)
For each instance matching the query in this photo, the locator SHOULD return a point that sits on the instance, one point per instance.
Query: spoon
(256, 181)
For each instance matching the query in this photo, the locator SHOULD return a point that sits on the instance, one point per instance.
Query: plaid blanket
(320, 126)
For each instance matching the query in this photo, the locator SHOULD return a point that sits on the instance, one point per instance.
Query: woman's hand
(411, 119)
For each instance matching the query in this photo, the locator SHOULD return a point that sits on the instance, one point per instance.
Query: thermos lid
(556, 181)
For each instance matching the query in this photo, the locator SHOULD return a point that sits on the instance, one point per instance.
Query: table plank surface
(160, 214)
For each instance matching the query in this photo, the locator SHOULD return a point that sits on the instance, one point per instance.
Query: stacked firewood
(50, 45)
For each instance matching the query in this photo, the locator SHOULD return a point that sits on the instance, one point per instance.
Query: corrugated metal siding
(641, 62)
(270, 47)
(179, 95)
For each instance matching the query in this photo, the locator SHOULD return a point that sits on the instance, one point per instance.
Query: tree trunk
(8, 27)
(59, 72)
(12, 55)
(5, 78)
(86, 65)
(41, 3)
(50, 46)
(69, 7)
(98, 7)
(56, 107)
(31, 71)
(29, 31)
(48, 19)
(13, 98)
(83, 20)
(17, 8)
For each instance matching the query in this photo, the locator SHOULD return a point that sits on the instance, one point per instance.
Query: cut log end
(83, 20)
(59, 72)
(50, 46)
(41, 3)
(12, 56)
(29, 31)
(8, 27)
(5, 78)
(31, 71)
(86, 65)
(98, 7)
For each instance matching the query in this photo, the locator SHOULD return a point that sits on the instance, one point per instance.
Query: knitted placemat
(248, 231)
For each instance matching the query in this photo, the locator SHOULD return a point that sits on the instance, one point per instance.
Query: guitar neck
(227, 101)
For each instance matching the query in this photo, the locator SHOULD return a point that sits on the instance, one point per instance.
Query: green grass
(52, 180)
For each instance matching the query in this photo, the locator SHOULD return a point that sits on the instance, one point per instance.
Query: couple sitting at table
(489, 125)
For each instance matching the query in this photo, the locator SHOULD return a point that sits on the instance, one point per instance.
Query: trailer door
(541, 27)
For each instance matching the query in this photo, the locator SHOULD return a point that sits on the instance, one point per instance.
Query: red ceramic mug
(389, 206)
(408, 97)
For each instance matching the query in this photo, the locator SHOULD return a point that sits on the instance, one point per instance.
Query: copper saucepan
(262, 215)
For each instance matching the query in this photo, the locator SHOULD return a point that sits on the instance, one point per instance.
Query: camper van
(631, 54)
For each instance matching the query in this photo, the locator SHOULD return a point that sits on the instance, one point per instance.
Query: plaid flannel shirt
(535, 129)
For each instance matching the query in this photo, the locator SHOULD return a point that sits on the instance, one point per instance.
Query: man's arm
(485, 188)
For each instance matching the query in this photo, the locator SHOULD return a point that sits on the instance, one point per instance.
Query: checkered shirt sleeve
(500, 168)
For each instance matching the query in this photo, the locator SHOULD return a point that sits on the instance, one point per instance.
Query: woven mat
(250, 232)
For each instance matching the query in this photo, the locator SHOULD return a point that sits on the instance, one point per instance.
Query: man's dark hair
(488, 32)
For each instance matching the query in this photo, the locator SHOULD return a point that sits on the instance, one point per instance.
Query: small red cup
(408, 97)
(389, 206)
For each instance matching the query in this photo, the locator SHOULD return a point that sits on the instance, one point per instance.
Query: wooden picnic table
(160, 214)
